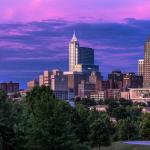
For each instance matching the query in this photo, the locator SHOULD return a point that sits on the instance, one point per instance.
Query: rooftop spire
(74, 38)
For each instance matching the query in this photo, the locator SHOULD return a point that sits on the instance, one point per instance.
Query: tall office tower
(147, 64)
(81, 59)
(73, 52)
(140, 67)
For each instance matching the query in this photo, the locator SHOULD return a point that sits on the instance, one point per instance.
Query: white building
(101, 95)
(73, 52)
(140, 67)
(140, 94)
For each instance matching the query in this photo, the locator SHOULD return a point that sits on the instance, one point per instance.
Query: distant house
(100, 108)
(146, 110)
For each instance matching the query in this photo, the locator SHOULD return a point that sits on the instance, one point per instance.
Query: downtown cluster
(40, 117)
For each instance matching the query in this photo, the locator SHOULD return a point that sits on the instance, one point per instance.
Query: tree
(144, 127)
(119, 113)
(86, 102)
(50, 122)
(80, 122)
(127, 129)
(100, 132)
(7, 133)
(112, 104)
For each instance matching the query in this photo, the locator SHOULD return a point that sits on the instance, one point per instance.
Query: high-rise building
(81, 59)
(147, 63)
(140, 67)
(73, 52)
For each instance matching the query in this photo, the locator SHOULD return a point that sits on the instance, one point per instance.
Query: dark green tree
(7, 121)
(50, 122)
(80, 122)
(144, 127)
(127, 129)
(100, 132)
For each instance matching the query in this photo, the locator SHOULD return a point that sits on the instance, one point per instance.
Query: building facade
(131, 80)
(9, 87)
(81, 59)
(147, 64)
(115, 80)
(31, 84)
(45, 78)
(141, 67)
(74, 78)
(101, 95)
(85, 89)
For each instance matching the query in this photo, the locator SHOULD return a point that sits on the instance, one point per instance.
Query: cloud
(29, 48)
(85, 10)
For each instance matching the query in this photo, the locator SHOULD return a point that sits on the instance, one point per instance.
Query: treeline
(41, 122)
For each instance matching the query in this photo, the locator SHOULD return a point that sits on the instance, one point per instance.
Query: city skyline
(31, 44)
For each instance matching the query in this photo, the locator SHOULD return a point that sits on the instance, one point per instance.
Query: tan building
(32, 84)
(147, 64)
(45, 78)
(96, 78)
(141, 67)
(125, 95)
(74, 78)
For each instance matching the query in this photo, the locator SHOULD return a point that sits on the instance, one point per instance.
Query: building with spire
(81, 59)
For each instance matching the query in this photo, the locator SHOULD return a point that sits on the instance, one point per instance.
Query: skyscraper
(147, 63)
(73, 52)
(81, 59)
(140, 67)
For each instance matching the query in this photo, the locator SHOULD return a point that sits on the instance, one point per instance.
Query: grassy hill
(122, 146)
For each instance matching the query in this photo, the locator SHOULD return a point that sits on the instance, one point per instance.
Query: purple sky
(34, 34)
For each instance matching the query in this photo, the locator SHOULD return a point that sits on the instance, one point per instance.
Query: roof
(74, 38)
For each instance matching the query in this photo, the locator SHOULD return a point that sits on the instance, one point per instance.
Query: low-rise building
(101, 95)
(100, 108)
(9, 87)
(140, 94)
(146, 110)
(113, 93)
(125, 95)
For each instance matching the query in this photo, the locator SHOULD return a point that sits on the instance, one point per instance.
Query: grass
(123, 146)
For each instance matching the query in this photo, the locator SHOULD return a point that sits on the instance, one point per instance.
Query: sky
(34, 34)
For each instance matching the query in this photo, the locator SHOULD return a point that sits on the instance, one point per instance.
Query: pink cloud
(85, 10)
